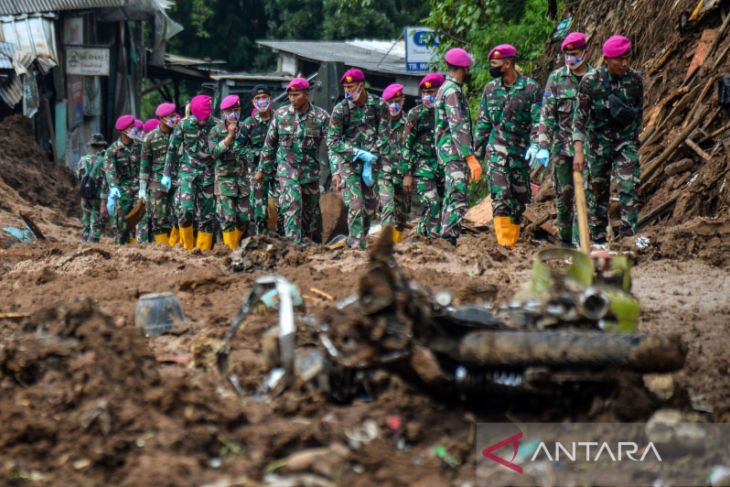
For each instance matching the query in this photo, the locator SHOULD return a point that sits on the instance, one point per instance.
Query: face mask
(352, 96)
(428, 100)
(395, 108)
(171, 122)
(231, 116)
(495, 71)
(132, 133)
(573, 62)
(263, 105)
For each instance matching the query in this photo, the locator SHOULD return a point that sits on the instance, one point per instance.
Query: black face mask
(495, 71)
(467, 78)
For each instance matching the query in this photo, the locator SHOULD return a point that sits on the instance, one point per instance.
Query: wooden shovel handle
(580, 204)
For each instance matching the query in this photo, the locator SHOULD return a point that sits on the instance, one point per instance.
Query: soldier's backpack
(88, 187)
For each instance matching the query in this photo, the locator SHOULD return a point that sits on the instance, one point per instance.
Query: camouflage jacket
(592, 118)
(122, 165)
(292, 144)
(353, 127)
(508, 116)
(452, 125)
(253, 131)
(154, 154)
(419, 151)
(230, 161)
(392, 162)
(190, 149)
(93, 165)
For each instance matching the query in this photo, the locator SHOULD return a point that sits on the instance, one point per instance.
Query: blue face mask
(263, 105)
(231, 116)
(395, 108)
(428, 100)
(573, 62)
(351, 96)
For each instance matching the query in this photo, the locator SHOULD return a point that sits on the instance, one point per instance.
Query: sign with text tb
(421, 45)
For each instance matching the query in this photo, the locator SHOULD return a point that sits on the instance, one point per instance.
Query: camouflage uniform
(196, 177)
(556, 135)
(92, 164)
(508, 116)
(122, 171)
(391, 195)
(609, 148)
(292, 148)
(154, 154)
(353, 127)
(231, 179)
(454, 143)
(254, 130)
(419, 153)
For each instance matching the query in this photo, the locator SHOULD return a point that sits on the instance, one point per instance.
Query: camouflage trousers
(173, 215)
(91, 224)
(299, 209)
(232, 204)
(197, 200)
(624, 162)
(259, 196)
(564, 195)
(509, 185)
(430, 207)
(393, 201)
(361, 206)
(124, 204)
(456, 199)
(159, 209)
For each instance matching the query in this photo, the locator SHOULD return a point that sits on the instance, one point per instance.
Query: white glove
(142, 195)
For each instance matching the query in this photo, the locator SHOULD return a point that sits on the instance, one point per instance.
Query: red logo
(515, 442)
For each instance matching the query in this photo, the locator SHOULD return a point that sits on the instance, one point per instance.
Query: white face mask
(573, 62)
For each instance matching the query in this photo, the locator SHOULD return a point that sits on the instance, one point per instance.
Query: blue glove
(543, 157)
(111, 199)
(367, 172)
(166, 182)
(531, 153)
(365, 156)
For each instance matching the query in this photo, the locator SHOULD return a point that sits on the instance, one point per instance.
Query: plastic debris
(24, 235)
(642, 242)
(442, 453)
(359, 437)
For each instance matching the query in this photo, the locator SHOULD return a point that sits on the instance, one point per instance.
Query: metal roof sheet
(14, 7)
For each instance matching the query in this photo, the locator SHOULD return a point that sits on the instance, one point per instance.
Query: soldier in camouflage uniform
(454, 143)
(509, 114)
(354, 138)
(291, 151)
(419, 153)
(195, 174)
(92, 165)
(606, 136)
(254, 129)
(122, 160)
(231, 181)
(154, 155)
(391, 194)
(555, 139)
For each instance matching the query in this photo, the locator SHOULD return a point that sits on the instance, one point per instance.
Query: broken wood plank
(679, 167)
(480, 215)
(321, 293)
(700, 100)
(706, 40)
(10, 315)
(658, 211)
(533, 217)
(720, 57)
(33, 227)
(698, 150)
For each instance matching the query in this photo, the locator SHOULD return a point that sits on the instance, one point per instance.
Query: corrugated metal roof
(34, 38)
(7, 51)
(12, 92)
(14, 7)
(371, 56)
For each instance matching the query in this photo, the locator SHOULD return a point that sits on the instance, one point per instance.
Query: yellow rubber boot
(502, 225)
(514, 234)
(186, 237)
(397, 235)
(231, 239)
(161, 239)
(174, 236)
(205, 240)
(132, 241)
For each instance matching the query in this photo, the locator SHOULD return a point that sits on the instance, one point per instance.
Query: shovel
(580, 204)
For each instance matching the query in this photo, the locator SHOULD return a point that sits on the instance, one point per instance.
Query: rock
(670, 427)
(661, 385)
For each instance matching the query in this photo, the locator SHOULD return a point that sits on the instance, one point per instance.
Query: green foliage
(370, 19)
(294, 19)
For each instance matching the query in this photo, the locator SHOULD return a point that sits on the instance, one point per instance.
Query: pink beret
(616, 46)
(432, 80)
(352, 75)
(165, 109)
(139, 124)
(298, 84)
(151, 124)
(392, 91)
(124, 122)
(201, 107)
(575, 40)
(458, 57)
(503, 51)
(230, 101)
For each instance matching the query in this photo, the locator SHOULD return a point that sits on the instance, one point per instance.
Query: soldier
(254, 131)
(509, 114)
(196, 200)
(122, 174)
(606, 129)
(391, 195)
(555, 139)
(419, 153)
(292, 148)
(454, 143)
(231, 181)
(353, 139)
(144, 230)
(91, 175)
(154, 154)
